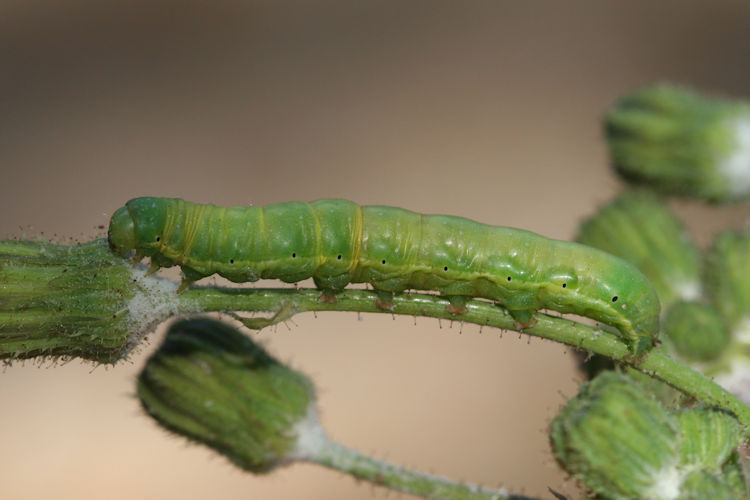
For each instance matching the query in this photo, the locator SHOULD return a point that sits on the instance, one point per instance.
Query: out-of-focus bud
(727, 278)
(696, 331)
(75, 301)
(617, 440)
(681, 142)
(728, 281)
(708, 438)
(640, 228)
(214, 385)
(622, 444)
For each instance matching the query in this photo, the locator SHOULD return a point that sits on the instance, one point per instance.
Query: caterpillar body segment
(337, 242)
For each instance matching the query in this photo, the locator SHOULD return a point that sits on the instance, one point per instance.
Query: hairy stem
(81, 301)
(341, 458)
(292, 301)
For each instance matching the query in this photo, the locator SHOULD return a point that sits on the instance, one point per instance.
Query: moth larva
(337, 242)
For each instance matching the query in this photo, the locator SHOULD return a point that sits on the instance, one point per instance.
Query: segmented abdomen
(337, 242)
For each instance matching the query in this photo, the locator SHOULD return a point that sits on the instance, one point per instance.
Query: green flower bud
(696, 331)
(75, 301)
(640, 228)
(681, 142)
(212, 384)
(617, 440)
(708, 438)
(728, 281)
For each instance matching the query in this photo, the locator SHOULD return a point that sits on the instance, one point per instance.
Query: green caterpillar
(337, 242)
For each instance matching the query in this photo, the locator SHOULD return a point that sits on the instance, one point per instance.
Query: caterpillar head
(138, 226)
(121, 234)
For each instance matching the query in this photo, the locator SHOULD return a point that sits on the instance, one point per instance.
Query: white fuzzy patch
(737, 381)
(311, 438)
(689, 290)
(741, 332)
(666, 485)
(154, 301)
(736, 166)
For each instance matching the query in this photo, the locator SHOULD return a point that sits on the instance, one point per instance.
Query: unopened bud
(640, 228)
(696, 331)
(681, 142)
(212, 384)
(728, 280)
(75, 301)
(617, 440)
(708, 437)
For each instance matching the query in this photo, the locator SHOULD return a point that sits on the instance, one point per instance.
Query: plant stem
(339, 457)
(81, 301)
(292, 301)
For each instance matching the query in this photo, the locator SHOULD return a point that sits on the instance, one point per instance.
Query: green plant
(651, 426)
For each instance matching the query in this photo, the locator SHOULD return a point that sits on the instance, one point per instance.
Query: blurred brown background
(489, 110)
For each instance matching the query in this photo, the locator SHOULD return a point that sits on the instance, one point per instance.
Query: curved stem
(288, 302)
(339, 457)
(82, 301)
